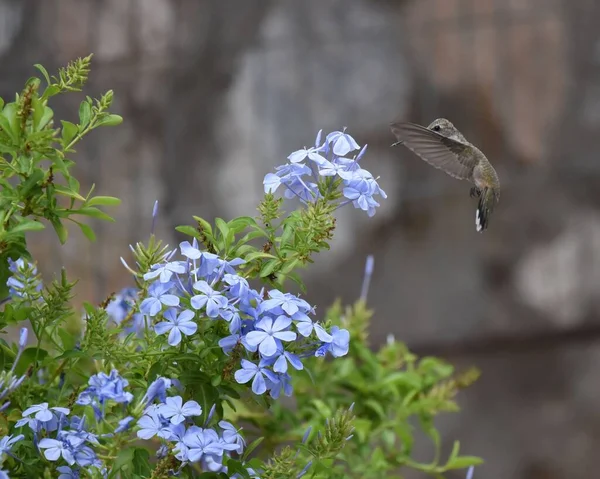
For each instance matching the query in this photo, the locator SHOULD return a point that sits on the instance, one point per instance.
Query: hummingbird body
(444, 147)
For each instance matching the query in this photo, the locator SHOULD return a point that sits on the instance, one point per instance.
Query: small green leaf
(28, 357)
(72, 353)
(222, 227)
(124, 458)
(188, 230)
(27, 225)
(93, 212)
(240, 224)
(69, 130)
(1, 103)
(103, 201)
(110, 120)
(253, 445)
(205, 225)
(462, 462)
(269, 267)
(31, 182)
(258, 255)
(63, 190)
(50, 91)
(87, 231)
(44, 72)
(60, 229)
(85, 113)
(8, 118)
(141, 462)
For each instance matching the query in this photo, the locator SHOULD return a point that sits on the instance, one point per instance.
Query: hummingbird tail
(484, 209)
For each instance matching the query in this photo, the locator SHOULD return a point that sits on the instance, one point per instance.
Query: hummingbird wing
(439, 151)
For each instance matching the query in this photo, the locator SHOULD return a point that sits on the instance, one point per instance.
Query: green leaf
(269, 267)
(44, 72)
(72, 353)
(31, 182)
(87, 231)
(103, 201)
(110, 120)
(85, 113)
(63, 190)
(28, 357)
(240, 224)
(27, 225)
(60, 229)
(8, 120)
(124, 458)
(93, 212)
(69, 130)
(67, 339)
(223, 228)
(258, 255)
(1, 103)
(188, 230)
(206, 227)
(50, 91)
(141, 462)
(462, 462)
(253, 445)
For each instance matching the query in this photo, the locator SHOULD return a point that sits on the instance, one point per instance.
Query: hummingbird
(444, 147)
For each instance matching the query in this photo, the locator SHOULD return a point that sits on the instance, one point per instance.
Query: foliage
(183, 373)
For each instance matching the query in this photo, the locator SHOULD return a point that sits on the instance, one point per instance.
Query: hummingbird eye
(436, 128)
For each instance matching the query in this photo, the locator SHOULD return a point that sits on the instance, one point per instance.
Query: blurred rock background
(215, 93)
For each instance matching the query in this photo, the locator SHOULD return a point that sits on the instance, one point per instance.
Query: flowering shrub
(183, 373)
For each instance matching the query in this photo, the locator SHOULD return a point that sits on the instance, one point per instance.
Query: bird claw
(396, 144)
(475, 192)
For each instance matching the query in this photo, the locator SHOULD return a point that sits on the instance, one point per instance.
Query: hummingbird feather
(444, 153)
(484, 208)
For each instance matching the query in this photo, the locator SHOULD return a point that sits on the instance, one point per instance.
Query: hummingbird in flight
(444, 147)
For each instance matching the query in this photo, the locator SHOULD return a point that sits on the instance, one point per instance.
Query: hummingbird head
(446, 128)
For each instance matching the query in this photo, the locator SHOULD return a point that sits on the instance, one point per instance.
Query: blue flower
(176, 411)
(209, 298)
(306, 326)
(7, 442)
(311, 153)
(158, 296)
(67, 473)
(151, 425)
(470, 472)
(157, 390)
(280, 365)
(231, 435)
(200, 442)
(342, 142)
(250, 370)
(124, 424)
(339, 344)
(176, 325)
(48, 418)
(165, 271)
(54, 449)
(288, 303)
(269, 334)
(103, 387)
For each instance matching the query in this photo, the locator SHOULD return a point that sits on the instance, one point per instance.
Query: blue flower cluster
(171, 420)
(328, 159)
(24, 279)
(102, 388)
(72, 440)
(275, 326)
